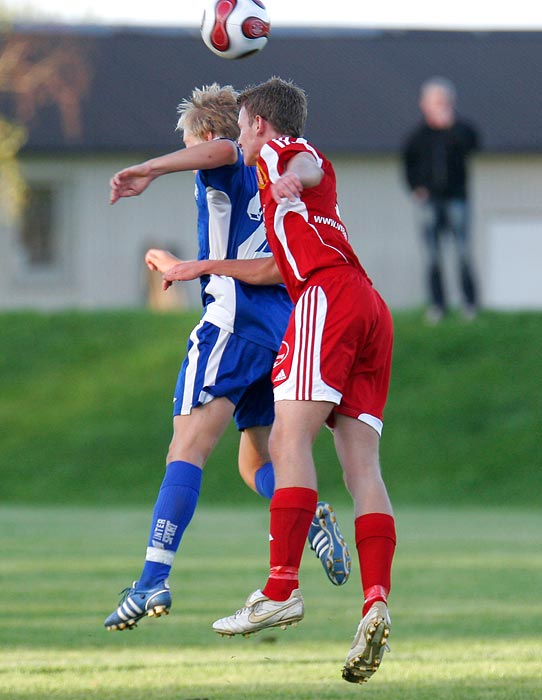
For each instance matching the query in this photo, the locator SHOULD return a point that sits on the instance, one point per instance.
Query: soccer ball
(235, 28)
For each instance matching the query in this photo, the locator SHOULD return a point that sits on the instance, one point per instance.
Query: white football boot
(260, 612)
(369, 646)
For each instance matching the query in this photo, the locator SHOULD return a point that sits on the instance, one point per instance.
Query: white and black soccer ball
(235, 28)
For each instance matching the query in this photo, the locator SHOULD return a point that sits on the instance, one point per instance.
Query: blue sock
(174, 508)
(265, 480)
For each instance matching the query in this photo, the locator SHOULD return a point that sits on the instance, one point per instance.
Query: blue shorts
(219, 363)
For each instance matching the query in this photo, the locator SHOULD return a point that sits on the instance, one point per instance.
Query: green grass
(463, 419)
(465, 605)
(85, 414)
(85, 410)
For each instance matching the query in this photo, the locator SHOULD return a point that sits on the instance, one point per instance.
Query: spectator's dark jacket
(437, 159)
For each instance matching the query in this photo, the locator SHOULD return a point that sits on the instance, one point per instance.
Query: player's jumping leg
(195, 436)
(173, 511)
(325, 538)
(292, 508)
(357, 447)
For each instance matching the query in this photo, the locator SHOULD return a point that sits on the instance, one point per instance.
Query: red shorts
(338, 347)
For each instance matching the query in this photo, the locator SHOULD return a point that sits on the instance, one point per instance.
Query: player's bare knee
(194, 450)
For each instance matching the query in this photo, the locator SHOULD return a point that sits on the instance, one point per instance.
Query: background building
(94, 100)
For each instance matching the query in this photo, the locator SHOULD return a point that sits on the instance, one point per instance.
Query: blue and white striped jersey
(230, 226)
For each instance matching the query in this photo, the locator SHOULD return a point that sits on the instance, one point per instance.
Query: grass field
(85, 412)
(466, 610)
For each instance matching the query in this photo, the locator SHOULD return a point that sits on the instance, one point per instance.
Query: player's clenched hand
(302, 171)
(288, 186)
(160, 260)
(130, 182)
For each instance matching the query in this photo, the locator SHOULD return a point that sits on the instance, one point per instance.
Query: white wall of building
(509, 229)
(101, 247)
(506, 230)
(99, 262)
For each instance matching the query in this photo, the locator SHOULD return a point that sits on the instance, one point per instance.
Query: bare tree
(12, 186)
(36, 72)
(39, 71)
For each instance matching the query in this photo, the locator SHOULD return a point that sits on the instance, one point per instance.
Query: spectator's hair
(279, 102)
(211, 108)
(443, 84)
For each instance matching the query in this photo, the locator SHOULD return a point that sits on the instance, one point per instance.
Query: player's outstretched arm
(134, 180)
(255, 271)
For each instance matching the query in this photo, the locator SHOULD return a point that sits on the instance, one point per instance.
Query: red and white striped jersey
(306, 235)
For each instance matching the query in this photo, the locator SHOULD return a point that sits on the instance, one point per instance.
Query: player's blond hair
(280, 102)
(211, 108)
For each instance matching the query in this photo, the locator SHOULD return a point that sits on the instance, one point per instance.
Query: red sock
(375, 542)
(292, 510)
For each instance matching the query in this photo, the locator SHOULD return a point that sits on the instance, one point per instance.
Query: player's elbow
(269, 273)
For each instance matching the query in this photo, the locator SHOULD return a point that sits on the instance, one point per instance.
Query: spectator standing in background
(435, 159)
